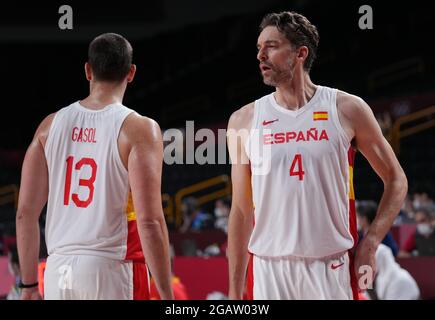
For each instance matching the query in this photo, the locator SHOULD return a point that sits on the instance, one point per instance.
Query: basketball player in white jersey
(292, 227)
(92, 161)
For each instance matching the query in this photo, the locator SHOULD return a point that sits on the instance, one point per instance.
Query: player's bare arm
(141, 149)
(359, 123)
(242, 212)
(32, 199)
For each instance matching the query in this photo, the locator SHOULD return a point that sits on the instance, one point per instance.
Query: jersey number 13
(89, 183)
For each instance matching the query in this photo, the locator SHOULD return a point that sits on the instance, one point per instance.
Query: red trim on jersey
(353, 279)
(250, 279)
(353, 232)
(141, 290)
(134, 248)
(249, 290)
(352, 212)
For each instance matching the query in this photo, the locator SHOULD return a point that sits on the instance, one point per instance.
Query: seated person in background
(366, 213)
(193, 218)
(421, 199)
(406, 214)
(222, 212)
(391, 281)
(422, 241)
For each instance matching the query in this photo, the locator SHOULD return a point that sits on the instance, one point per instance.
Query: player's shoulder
(136, 125)
(242, 117)
(350, 105)
(44, 128)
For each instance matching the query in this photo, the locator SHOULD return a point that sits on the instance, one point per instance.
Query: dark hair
(367, 209)
(298, 31)
(110, 56)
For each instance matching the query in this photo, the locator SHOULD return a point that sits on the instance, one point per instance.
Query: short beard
(279, 76)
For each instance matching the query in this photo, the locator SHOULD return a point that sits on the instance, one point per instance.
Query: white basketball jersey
(301, 163)
(89, 208)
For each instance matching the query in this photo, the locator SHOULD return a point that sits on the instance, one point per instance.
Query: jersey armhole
(117, 151)
(254, 125)
(48, 142)
(336, 119)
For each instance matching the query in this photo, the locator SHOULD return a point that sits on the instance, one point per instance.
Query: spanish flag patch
(320, 115)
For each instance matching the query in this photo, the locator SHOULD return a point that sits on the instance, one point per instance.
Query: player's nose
(261, 55)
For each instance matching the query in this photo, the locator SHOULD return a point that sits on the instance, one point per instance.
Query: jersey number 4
(296, 168)
(89, 183)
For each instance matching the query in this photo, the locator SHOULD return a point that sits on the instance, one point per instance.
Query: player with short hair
(293, 212)
(97, 164)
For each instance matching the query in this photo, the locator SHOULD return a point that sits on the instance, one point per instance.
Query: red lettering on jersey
(300, 136)
(80, 137)
(285, 137)
(289, 136)
(267, 139)
(279, 137)
(74, 134)
(312, 133)
(84, 135)
(323, 135)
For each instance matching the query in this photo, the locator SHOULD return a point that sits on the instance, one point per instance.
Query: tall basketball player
(292, 227)
(98, 164)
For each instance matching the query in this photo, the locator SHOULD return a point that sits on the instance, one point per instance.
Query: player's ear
(88, 71)
(302, 53)
(131, 73)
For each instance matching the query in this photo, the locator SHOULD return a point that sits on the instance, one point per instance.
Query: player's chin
(269, 81)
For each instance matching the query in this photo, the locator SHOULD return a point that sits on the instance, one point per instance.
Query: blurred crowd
(417, 218)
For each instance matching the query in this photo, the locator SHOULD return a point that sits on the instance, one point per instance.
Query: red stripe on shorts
(141, 289)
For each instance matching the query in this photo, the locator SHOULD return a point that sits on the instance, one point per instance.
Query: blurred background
(197, 62)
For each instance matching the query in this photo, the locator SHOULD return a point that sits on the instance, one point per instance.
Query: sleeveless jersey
(89, 210)
(302, 168)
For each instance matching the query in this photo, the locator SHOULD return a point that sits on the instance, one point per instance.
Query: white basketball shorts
(293, 278)
(85, 277)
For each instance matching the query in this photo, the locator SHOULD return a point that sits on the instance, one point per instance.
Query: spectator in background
(366, 213)
(393, 282)
(14, 269)
(193, 218)
(406, 214)
(421, 199)
(422, 241)
(222, 213)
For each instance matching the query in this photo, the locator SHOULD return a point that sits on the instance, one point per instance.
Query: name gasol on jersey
(286, 137)
(84, 135)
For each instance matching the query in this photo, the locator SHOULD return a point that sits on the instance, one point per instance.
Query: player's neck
(102, 94)
(296, 93)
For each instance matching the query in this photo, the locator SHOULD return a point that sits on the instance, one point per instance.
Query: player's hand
(365, 263)
(30, 294)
